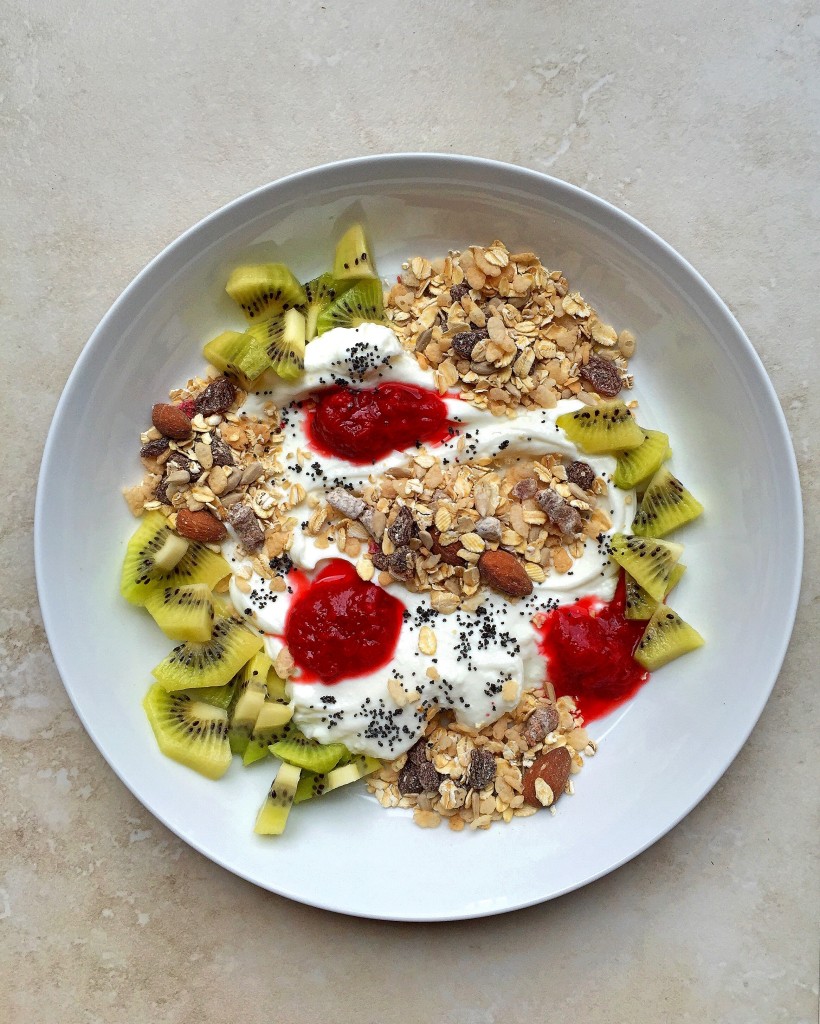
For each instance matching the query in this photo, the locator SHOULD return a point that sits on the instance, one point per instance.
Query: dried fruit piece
(345, 502)
(250, 533)
(220, 452)
(458, 291)
(171, 421)
(448, 553)
(218, 397)
(428, 776)
(464, 343)
(151, 449)
(602, 376)
(540, 723)
(504, 572)
(409, 782)
(400, 564)
(525, 489)
(200, 526)
(581, 474)
(482, 769)
(553, 769)
(560, 512)
(403, 528)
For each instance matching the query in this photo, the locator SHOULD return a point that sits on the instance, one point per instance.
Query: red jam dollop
(363, 425)
(588, 646)
(339, 626)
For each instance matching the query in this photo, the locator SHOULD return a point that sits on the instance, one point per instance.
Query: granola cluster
(506, 331)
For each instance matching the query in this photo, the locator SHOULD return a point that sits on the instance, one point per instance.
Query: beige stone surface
(123, 124)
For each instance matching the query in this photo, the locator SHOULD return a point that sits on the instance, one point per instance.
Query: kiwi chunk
(250, 693)
(353, 260)
(311, 785)
(240, 356)
(183, 613)
(146, 565)
(273, 814)
(213, 663)
(361, 304)
(358, 768)
(283, 339)
(638, 465)
(264, 290)
(666, 505)
(639, 605)
(607, 427)
(665, 638)
(308, 753)
(219, 696)
(321, 293)
(189, 731)
(648, 561)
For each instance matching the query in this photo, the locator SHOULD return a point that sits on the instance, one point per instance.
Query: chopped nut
(427, 640)
(345, 502)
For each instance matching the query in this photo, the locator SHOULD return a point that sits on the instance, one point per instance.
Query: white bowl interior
(697, 378)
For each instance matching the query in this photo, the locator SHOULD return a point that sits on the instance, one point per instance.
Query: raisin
(602, 376)
(581, 474)
(540, 722)
(401, 563)
(525, 489)
(560, 512)
(222, 454)
(161, 493)
(429, 778)
(458, 291)
(482, 769)
(247, 527)
(151, 449)
(380, 560)
(409, 782)
(218, 397)
(404, 527)
(464, 343)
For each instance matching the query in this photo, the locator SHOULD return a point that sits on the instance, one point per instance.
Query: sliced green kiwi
(259, 743)
(250, 694)
(321, 293)
(665, 506)
(353, 259)
(607, 427)
(638, 465)
(240, 356)
(273, 814)
(189, 730)
(648, 561)
(276, 687)
(283, 338)
(358, 768)
(213, 663)
(264, 289)
(639, 605)
(219, 696)
(183, 613)
(361, 304)
(311, 785)
(666, 637)
(154, 539)
(308, 753)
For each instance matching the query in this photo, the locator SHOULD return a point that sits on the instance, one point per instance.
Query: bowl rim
(410, 166)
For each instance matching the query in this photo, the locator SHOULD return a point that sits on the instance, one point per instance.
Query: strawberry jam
(363, 425)
(588, 646)
(339, 626)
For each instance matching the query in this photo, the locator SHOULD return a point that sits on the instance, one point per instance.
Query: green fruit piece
(276, 687)
(273, 815)
(213, 663)
(219, 696)
(357, 769)
(321, 293)
(361, 304)
(678, 569)
(189, 730)
(639, 605)
(283, 339)
(154, 540)
(607, 427)
(307, 753)
(637, 465)
(649, 562)
(249, 696)
(353, 260)
(666, 637)
(311, 784)
(240, 356)
(264, 290)
(253, 752)
(666, 505)
(183, 613)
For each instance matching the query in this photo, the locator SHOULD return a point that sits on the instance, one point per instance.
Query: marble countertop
(122, 125)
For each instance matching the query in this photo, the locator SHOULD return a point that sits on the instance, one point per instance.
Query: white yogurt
(476, 652)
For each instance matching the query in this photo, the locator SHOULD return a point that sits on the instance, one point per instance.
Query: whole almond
(200, 526)
(553, 767)
(503, 571)
(448, 553)
(171, 422)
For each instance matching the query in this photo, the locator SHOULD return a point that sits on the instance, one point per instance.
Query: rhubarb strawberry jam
(363, 425)
(339, 626)
(588, 646)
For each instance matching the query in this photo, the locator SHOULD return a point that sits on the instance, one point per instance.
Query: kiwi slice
(361, 304)
(219, 696)
(156, 558)
(666, 637)
(273, 814)
(607, 427)
(283, 339)
(665, 506)
(321, 292)
(183, 613)
(213, 663)
(353, 260)
(240, 356)
(264, 289)
(276, 687)
(639, 605)
(358, 768)
(307, 753)
(249, 697)
(311, 784)
(639, 464)
(649, 562)
(189, 730)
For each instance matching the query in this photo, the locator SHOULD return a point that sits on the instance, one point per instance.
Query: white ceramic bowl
(697, 377)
